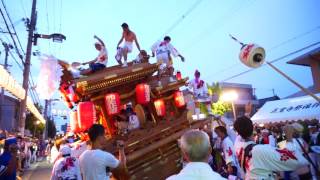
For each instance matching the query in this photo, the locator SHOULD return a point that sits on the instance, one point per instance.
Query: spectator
(67, 167)
(298, 143)
(314, 148)
(260, 161)
(196, 149)
(229, 154)
(8, 160)
(96, 164)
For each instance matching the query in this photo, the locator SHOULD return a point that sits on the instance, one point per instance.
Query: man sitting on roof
(100, 62)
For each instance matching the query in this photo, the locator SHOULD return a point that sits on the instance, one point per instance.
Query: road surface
(39, 171)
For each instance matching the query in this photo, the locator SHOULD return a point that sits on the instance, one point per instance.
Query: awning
(293, 109)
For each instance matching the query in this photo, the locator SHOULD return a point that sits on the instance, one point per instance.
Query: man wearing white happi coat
(163, 51)
(261, 161)
(228, 152)
(200, 93)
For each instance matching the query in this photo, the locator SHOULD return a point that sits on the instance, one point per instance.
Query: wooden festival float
(152, 150)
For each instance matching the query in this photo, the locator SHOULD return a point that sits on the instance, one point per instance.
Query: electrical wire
(48, 25)
(11, 35)
(14, 29)
(273, 61)
(272, 48)
(184, 15)
(24, 10)
(213, 27)
(60, 26)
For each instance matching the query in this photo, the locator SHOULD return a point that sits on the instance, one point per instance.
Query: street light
(56, 37)
(230, 96)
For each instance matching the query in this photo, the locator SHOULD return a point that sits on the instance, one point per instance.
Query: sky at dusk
(199, 30)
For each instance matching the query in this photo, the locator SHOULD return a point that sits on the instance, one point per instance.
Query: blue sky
(202, 36)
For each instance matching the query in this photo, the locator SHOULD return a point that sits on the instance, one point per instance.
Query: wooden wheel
(139, 110)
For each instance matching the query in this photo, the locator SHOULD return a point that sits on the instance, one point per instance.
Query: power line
(295, 37)
(273, 61)
(184, 15)
(213, 27)
(14, 29)
(48, 24)
(14, 42)
(273, 48)
(24, 10)
(60, 25)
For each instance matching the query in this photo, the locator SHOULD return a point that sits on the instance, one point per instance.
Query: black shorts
(96, 67)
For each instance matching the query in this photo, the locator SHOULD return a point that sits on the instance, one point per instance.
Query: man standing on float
(200, 93)
(128, 37)
(163, 50)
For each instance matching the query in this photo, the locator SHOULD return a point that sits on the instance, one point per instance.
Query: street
(39, 171)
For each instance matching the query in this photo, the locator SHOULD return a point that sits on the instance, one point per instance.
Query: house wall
(9, 114)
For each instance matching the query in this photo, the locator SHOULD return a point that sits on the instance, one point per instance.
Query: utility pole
(45, 113)
(7, 48)
(26, 70)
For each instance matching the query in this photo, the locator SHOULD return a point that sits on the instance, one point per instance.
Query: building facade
(9, 113)
(245, 96)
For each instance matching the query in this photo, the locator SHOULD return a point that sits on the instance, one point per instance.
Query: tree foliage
(32, 125)
(220, 107)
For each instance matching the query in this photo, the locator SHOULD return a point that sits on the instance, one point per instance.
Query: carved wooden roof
(114, 76)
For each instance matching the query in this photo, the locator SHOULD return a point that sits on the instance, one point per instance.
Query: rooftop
(304, 60)
(234, 85)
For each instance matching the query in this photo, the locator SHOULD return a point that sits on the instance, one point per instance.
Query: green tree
(33, 124)
(220, 107)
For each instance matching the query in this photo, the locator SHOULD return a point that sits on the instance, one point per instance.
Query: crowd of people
(245, 151)
(250, 152)
(18, 153)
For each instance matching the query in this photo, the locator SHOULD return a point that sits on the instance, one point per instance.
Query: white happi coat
(200, 94)
(267, 159)
(229, 152)
(163, 50)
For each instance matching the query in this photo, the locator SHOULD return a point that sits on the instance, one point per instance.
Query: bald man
(196, 149)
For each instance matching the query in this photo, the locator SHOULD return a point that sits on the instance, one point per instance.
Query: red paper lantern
(112, 102)
(74, 125)
(179, 99)
(160, 107)
(178, 75)
(86, 115)
(143, 93)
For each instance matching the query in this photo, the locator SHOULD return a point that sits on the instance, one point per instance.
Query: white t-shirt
(66, 168)
(196, 171)
(93, 164)
(103, 56)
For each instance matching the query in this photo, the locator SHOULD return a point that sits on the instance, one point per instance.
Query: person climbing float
(163, 51)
